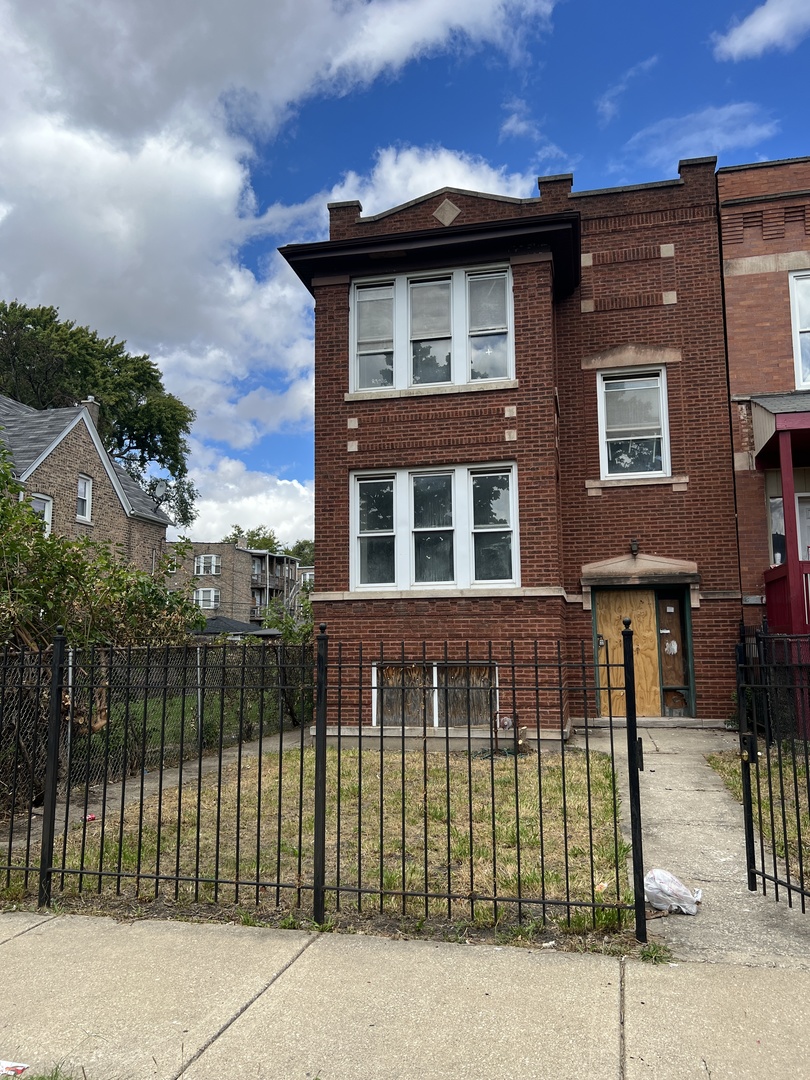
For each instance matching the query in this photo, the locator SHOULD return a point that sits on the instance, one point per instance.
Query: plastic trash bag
(664, 892)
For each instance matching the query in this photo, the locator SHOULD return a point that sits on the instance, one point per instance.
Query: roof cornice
(468, 244)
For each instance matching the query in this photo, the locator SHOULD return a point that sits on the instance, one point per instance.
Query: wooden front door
(613, 605)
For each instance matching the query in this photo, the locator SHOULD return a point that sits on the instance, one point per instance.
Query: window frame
(47, 515)
(201, 595)
(797, 331)
(627, 374)
(87, 498)
(215, 564)
(463, 528)
(435, 694)
(461, 335)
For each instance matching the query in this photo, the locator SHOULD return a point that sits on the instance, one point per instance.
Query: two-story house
(522, 433)
(75, 486)
(765, 215)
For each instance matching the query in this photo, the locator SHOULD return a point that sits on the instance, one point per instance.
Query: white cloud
(232, 494)
(127, 136)
(776, 24)
(519, 122)
(607, 104)
(711, 131)
(403, 173)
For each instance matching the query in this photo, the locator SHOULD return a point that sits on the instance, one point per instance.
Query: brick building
(233, 582)
(75, 486)
(522, 428)
(765, 217)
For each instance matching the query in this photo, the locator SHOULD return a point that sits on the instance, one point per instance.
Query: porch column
(794, 574)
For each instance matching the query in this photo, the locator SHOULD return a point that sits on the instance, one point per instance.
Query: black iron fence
(773, 695)
(428, 782)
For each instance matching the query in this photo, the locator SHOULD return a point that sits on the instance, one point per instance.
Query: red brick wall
(561, 526)
(773, 219)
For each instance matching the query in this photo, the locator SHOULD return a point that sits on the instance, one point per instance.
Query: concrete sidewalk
(164, 1000)
(126, 1001)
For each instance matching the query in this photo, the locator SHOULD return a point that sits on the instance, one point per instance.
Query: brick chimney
(92, 407)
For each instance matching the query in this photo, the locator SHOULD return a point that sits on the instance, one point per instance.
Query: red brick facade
(765, 217)
(644, 294)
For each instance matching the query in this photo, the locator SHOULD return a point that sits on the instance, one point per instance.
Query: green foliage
(260, 538)
(48, 581)
(48, 362)
(295, 629)
(303, 550)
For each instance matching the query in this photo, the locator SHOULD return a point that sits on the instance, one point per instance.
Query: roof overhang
(771, 413)
(485, 241)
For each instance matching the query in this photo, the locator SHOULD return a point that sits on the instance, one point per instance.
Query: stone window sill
(677, 483)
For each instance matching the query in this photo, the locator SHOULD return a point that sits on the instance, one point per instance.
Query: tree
(260, 538)
(303, 550)
(47, 362)
(50, 581)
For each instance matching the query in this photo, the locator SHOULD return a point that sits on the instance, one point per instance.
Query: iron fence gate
(773, 698)
(393, 780)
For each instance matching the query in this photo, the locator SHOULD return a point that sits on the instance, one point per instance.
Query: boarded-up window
(452, 695)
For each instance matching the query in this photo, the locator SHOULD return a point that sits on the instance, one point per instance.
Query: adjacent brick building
(765, 216)
(75, 486)
(233, 582)
(522, 429)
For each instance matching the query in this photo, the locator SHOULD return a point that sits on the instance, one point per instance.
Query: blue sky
(154, 155)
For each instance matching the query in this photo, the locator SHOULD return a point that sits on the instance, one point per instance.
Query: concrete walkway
(125, 1001)
(694, 828)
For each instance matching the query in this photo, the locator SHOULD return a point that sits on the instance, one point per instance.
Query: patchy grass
(655, 952)
(505, 836)
(779, 792)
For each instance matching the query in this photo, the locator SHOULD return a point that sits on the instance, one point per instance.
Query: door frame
(686, 613)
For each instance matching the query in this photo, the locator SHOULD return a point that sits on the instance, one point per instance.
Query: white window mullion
(461, 358)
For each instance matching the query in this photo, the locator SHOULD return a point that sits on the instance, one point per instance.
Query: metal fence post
(633, 766)
(51, 770)
(748, 753)
(319, 854)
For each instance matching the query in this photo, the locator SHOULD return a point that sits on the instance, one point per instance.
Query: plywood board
(612, 606)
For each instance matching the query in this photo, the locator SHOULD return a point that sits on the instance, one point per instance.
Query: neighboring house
(73, 483)
(765, 215)
(306, 577)
(521, 429)
(220, 624)
(239, 583)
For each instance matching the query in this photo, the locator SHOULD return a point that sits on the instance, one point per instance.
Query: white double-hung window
(445, 329)
(435, 528)
(84, 499)
(206, 598)
(207, 564)
(800, 318)
(633, 432)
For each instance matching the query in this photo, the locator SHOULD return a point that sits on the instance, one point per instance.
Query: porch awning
(779, 412)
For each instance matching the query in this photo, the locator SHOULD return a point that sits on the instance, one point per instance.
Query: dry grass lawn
(402, 832)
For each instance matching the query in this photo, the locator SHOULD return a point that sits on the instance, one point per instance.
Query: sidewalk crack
(239, 1012)
(45, 919)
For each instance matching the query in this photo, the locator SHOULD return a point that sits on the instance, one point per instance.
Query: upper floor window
(800, 316)
(207, 564)
(206, 598)
(84, 499)
(450, 328)
(633, 431)
(446, 527)
(42, 505)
